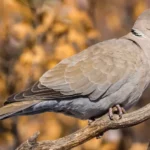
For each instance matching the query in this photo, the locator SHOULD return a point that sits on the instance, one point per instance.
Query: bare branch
(30, 143)
(93, 130)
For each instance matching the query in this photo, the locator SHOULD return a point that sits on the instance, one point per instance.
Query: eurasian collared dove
(88, 84)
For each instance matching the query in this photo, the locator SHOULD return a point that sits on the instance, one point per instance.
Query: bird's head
(142, 25)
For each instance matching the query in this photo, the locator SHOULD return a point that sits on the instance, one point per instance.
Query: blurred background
(34, 36)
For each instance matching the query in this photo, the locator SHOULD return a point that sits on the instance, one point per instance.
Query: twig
(30, 143)
(96, 128)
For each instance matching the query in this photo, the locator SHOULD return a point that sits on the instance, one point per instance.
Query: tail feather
(10, 110)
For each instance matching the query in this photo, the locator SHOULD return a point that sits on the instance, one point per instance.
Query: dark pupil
(135, 33)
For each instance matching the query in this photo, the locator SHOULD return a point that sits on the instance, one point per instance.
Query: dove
(110, 74)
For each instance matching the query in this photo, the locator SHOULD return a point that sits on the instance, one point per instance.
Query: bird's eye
(136, 33)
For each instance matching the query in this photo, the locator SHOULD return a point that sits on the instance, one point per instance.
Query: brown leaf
(63, 51)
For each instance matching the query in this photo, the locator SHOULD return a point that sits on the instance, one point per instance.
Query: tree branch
(96, 128)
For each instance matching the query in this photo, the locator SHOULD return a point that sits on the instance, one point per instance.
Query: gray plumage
(86, 85)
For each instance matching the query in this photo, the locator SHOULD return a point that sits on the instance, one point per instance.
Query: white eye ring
(137, 32)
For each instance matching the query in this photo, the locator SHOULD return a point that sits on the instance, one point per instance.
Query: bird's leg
(110, 113)
(120, 111)
(112, 110)
(123, 110)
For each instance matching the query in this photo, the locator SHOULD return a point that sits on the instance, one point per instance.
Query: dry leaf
(63, 51)
(22, 31)
(77, 37)
(59, 28)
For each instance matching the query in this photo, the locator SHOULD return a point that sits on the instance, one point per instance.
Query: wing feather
(96, 72)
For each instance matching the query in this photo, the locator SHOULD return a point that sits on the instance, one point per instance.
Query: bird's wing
(36, 92)
(95, 72)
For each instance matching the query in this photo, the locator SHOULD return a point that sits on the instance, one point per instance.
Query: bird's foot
(117, 109)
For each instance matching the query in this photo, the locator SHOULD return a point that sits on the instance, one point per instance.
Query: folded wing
(95, 73)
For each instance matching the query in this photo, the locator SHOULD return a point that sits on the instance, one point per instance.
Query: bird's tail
(12, 109)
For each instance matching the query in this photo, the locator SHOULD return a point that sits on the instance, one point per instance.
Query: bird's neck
(142, 42)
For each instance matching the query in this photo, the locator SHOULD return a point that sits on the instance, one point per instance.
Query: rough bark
(96, 128)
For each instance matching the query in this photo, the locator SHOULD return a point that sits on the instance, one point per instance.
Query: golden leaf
(63, 51)
(139, 8)
(93, 34)
(3, 87)
(21, 31)
(90, 146)
(39, 55)
(139, 146)
(77, 37)
(113, 21)
(59, 28)
(27, 57)
(47, 22)
(51, 64)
